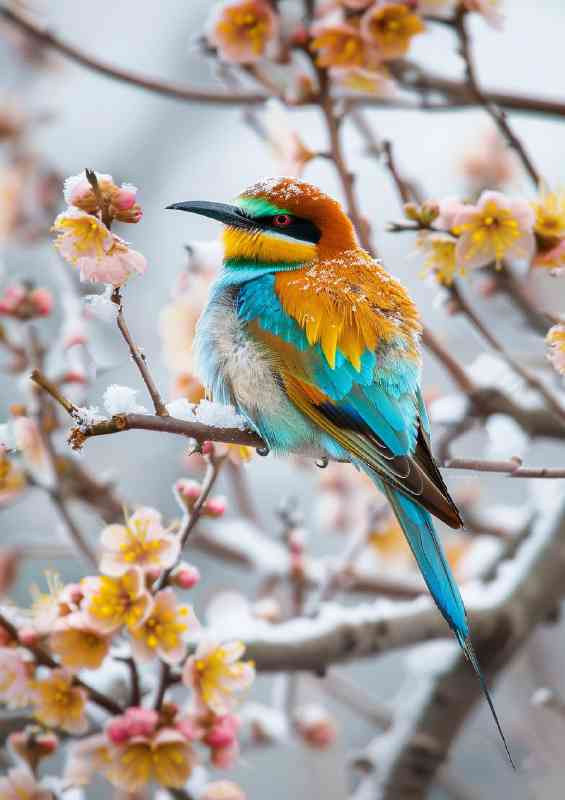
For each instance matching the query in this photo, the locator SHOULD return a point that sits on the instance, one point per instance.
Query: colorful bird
(317, 347)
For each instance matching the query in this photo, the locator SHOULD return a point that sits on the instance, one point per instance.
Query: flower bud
(207, 448)
(188, 492)
(429, 212)
(186, 576)
(215, 507)
(412, 211)
(223, 733)
(33, 744)
(224, 757)
(28, 637)
(316, 727)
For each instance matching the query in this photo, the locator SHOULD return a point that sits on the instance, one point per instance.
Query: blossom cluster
(353, 39)
(456, 236)
(84, 238)
(75, 628)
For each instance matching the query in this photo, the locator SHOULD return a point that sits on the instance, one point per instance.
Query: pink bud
(124, 198)
(316, 727)
(42, 301)
(117, 730)
(207, 448)
(28, 637)
(74, 376)
(186, 577)
(190, 490)
(225, 757)
(223, 733)
(216, 507)
(141, 721)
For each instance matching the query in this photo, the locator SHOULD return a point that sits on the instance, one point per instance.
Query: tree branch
(507, 608)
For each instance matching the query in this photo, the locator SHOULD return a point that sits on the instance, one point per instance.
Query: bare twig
(512, 468)
(190, 519)
(138, 357)
(497, 116)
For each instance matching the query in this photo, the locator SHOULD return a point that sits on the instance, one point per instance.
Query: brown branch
(553, 403)
(44, 659)
(497, 116)
(512, 468)
(138, 357)
(346, 177)
(213, 470)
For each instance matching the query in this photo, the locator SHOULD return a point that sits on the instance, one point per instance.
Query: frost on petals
(141, 542)
(555, 341)
(217, 673)
(242, 30)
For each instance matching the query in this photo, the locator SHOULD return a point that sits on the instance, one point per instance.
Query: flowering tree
(114, 668)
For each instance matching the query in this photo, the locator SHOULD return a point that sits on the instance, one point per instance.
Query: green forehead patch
(259, 207)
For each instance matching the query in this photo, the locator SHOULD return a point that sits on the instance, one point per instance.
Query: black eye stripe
(298, 228)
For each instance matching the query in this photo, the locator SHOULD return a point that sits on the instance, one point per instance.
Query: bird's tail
(419, 530)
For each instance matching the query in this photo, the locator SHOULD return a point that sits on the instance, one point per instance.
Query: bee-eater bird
(317, 347)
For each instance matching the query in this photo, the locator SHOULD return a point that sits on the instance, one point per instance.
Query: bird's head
(279, 221)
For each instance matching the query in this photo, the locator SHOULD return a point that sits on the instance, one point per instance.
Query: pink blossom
(496, 228)
(217, 674)
(34, 453)
(23, 303)
(81, 235)
(85, 758)
(162, 634)
(114, 267)
(141, 542)
(555, 341)
(243, 30)
(19, 784)
(15, 670)
(215, 507)
(489, 163)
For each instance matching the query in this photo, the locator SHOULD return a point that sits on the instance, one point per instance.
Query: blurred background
(176, 151)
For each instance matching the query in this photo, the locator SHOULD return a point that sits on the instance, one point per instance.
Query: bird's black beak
(229, 215)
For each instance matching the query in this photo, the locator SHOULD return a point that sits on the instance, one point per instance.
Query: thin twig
(138, 357)
(346, 177)
(497, 116)
(529, 377)
(213, 469)
(512, 468)
(456, 93)
(164, 683)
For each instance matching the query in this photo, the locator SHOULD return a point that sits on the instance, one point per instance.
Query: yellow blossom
(497, 227)
(166, 759)
(440, 261)
(12, 479)
(555, 341)
(111, 602)
(550, 216)
(340, 46)
(242, 30)
(391, 27)
(141, 542)
(59, 704)
(81, 234)
(77, 644)
(162, 632)
(216, 673)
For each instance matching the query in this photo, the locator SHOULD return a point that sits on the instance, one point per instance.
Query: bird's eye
(282, 220)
